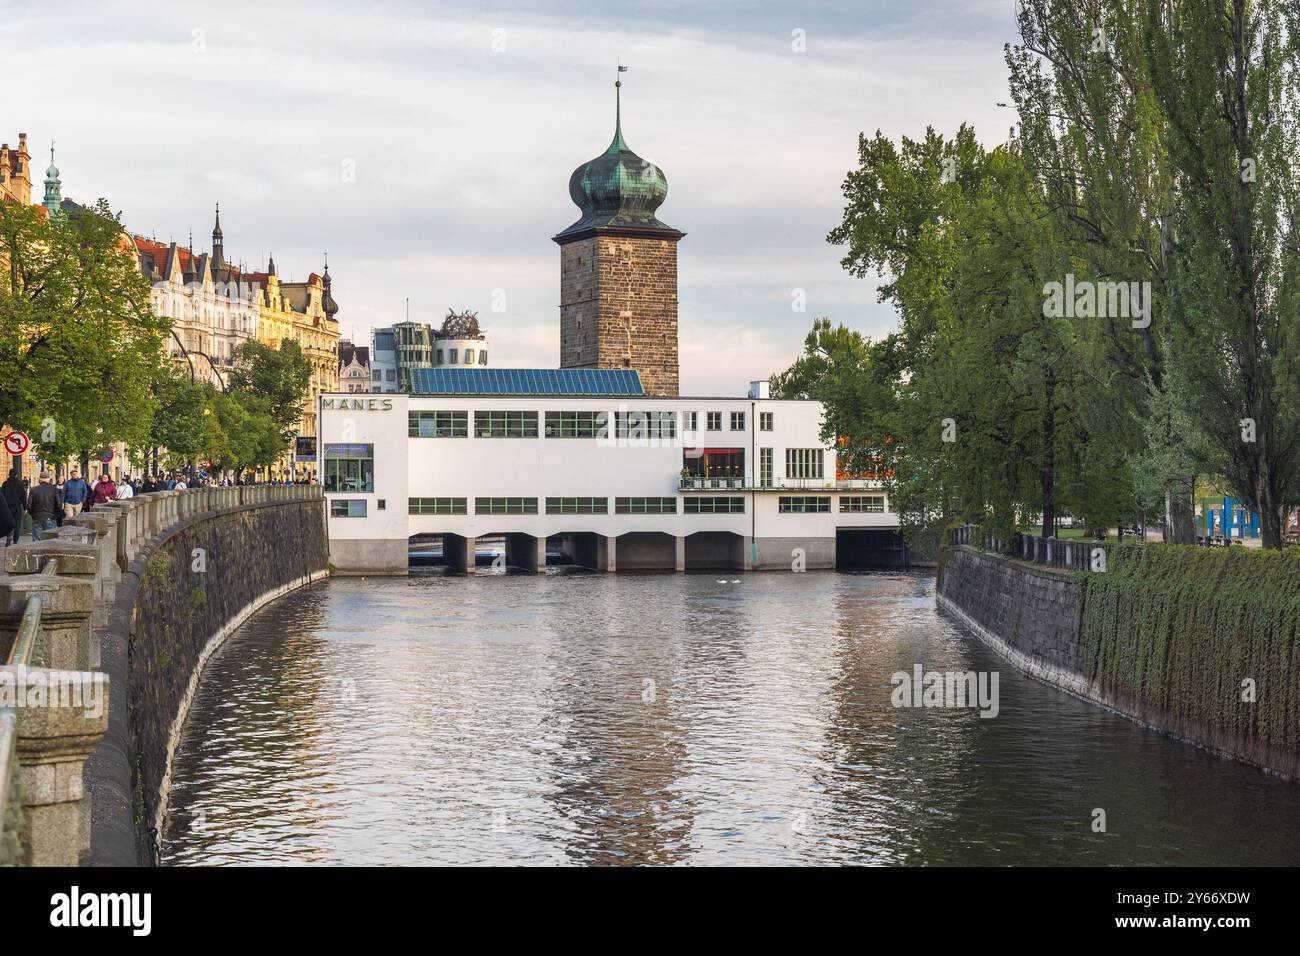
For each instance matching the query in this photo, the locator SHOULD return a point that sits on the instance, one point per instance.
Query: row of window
(718, 504)
(574, 424)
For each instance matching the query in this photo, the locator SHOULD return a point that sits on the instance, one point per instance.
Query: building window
(713, 421)
(803, 462)
(437, 424)
(645, 506)
(577, 424)
(391, 374)
(382, 505)
(451, 356)
(349, 468)
(505, 424)
(862, 504)
(347, 507)
(469, 356)
(577, 506)
(482, 356)
(437, 506)
(690, 422)
(765, 421)
(640, 425)
(714, 463)
(505, 506)
(714, 506)
(765, 467)
(439, 354)
(737, 421)
(804, 505)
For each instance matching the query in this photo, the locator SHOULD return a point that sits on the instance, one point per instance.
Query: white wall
(578, 467)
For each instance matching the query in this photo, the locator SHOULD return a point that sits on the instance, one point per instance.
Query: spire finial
(618, 106)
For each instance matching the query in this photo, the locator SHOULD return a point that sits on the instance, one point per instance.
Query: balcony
(779, 484)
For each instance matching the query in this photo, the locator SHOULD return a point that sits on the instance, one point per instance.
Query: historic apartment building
(618, 269)
(354, 367)
(213, 307)
(303, 312)
(15, 172)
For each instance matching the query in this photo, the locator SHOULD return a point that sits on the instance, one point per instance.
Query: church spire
(270, 264)
(53, 188)
(218, 245)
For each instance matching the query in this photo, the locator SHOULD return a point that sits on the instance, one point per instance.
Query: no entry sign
(107, 456)
(16, 443)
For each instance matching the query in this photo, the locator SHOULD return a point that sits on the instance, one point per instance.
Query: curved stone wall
(182, 591)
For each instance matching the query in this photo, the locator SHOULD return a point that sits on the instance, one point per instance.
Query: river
(659, 719)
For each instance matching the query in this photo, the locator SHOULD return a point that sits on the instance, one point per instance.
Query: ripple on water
(670, 719)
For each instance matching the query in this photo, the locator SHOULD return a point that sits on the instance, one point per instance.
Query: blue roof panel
(574, 382)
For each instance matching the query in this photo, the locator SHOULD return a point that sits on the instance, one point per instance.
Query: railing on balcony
(779, 484)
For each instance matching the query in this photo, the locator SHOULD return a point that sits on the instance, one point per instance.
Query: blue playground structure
(1227, 518)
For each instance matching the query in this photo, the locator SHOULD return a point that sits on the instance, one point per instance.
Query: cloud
(461, 155)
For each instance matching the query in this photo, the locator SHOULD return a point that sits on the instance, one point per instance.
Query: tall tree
(79, 343)
(1227, 75)
(278, 376)
(1092, 132)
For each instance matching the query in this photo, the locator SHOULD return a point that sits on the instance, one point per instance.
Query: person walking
(75, 494)
(45, 506)
(125, 490)
(15, 496)
(105, 491)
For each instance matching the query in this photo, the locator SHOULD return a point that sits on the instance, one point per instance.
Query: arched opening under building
(574, 551)
(715, 551)
(646, 551)
(860, 549)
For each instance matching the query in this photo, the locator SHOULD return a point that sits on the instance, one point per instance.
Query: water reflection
(670, 719)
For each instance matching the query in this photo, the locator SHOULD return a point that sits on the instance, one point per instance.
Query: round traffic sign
(107, 456)
(16, 443)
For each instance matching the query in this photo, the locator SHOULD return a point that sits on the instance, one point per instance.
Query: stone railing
(1066, 553)
(55, 599)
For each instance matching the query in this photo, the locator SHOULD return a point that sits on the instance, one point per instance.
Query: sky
(427, 147)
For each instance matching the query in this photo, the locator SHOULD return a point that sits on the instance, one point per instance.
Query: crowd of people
(49, 502)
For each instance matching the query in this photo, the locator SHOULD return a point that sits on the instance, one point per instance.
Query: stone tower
(618, 268)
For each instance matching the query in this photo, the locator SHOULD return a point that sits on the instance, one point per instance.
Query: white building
(614, 479)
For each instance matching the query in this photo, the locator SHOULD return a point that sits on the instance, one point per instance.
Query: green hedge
(1180, 627)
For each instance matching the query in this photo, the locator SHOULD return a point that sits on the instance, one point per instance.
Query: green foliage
(278, 377)
(1180, 627)
(79, 343)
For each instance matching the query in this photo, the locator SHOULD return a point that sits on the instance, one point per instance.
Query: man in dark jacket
(46, 508)
(15, 496)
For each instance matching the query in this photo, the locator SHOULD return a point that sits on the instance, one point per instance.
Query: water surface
(622, 719)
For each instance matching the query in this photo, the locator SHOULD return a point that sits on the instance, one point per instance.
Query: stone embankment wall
(181, 590)
(1166, 636)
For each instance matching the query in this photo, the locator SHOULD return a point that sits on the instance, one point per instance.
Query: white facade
(757, 506)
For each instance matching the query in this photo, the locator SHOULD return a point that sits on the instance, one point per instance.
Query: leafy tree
(278, 376)
(79, 343)
(1227, 75)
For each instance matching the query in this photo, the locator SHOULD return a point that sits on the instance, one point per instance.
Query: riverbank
(1196, 643)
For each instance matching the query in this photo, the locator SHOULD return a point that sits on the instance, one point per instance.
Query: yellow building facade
(303, 312)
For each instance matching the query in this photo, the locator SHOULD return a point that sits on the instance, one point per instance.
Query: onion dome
(327, 300)
(618, 191)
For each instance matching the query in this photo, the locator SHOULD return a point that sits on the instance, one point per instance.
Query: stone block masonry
(618, 307)
(1040, 619)
(182, 592)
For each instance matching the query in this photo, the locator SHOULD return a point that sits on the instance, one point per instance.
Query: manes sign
(356, 404)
